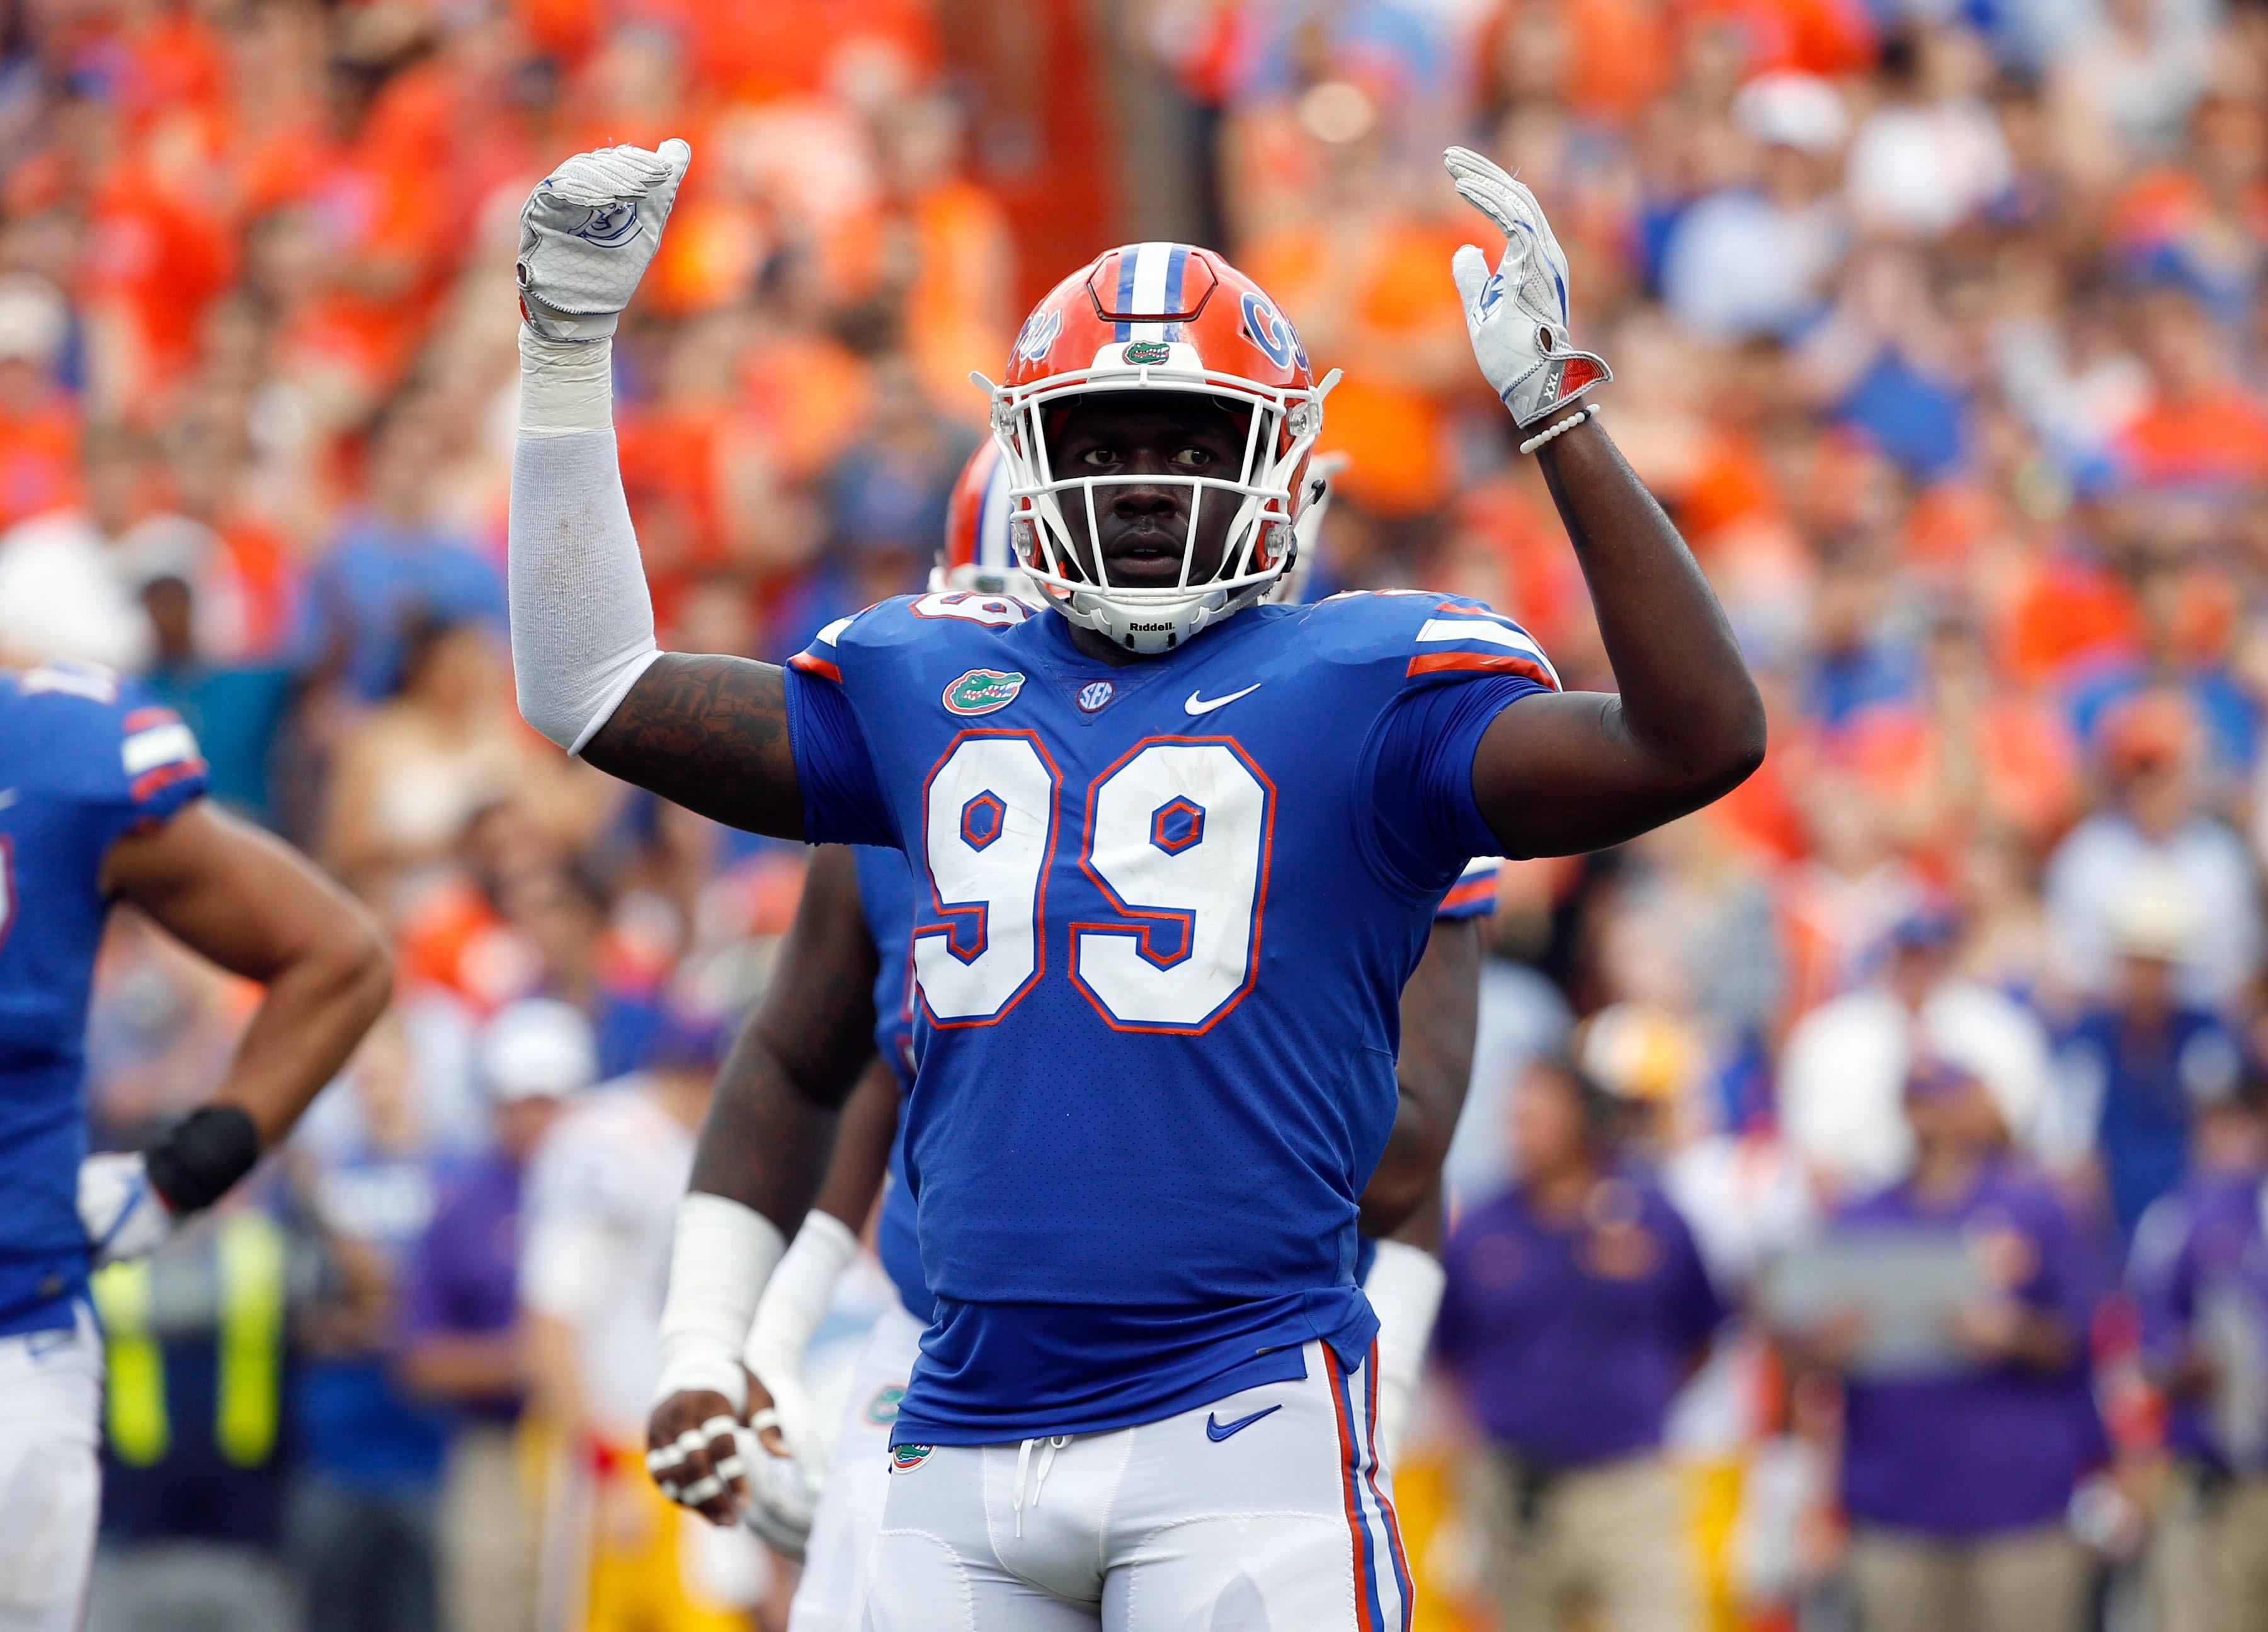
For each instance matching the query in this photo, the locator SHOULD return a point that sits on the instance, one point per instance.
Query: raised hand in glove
(1517, 316)
(587, 232)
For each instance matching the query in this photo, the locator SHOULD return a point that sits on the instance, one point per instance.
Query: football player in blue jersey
(1176, 853)
(871, 887)
(100, 801)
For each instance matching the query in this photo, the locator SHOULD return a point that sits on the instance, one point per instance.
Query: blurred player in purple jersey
(1174, 853)
(848, 1463)
(101, 799)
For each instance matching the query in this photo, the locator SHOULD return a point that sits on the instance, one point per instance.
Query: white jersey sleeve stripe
(159, 745)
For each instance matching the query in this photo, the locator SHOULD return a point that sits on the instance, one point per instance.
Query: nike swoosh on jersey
(7, 797)
(1217, 1431)
(1198, 704)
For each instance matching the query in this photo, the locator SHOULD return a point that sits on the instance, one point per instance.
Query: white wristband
(1405, 1288)
(1588, 411)
(565, 386)
(725, 1252)
(796, 1298)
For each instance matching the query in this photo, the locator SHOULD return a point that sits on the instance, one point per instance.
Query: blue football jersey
(887, 901)
(1163, 913)
(85, 757)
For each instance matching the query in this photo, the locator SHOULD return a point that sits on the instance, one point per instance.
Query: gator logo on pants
(906, 1458)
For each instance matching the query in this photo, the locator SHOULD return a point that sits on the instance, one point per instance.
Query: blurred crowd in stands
(1859, 1211)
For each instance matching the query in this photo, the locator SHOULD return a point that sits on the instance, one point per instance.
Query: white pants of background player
(50, 1475)
(1284, 1521)
(850, 1513)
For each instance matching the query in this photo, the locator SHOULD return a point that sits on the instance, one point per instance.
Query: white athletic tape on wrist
(795, 1299)
(724, 1253)
(565, 386)
(705, 1489)
(1588, 411)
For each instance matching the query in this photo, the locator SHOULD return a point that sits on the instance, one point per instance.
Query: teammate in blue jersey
(1176, 853)
(102, 801)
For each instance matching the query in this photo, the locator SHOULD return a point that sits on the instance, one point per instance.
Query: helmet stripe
(1176, 264)
(1151, 263)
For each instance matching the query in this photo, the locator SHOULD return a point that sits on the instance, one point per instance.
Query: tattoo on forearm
(710, 733)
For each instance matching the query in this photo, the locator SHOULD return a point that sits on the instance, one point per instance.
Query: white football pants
(1266, 1511)
(50, 1475)
(850, 1514)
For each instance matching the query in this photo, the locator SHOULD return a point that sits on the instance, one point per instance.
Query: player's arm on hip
(771, 1125)
(258, 908)
(1561, 773)
(1440, 1012)
(769, 1134)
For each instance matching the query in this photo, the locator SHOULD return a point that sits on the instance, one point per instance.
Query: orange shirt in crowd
(1829, 38)
(782, 47)
(39, 458)
(2217, 436)
(1621, 54)
(2006, 762)
(809, 394)
(957, 310)
(156, 259)
(1394, 431)
(2067, 609)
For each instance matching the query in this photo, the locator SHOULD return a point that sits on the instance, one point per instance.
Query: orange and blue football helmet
(1159, 317)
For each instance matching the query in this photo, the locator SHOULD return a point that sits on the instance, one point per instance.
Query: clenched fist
(587, 233)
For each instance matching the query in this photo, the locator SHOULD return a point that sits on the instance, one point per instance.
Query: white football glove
(781, 1500)
(120, 1209)
(587, 232)
(1517, 316)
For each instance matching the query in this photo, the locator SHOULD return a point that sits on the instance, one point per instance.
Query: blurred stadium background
(1939, 328)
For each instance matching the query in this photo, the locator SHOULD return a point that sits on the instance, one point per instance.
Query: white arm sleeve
(582, 623)
(1405, 1288)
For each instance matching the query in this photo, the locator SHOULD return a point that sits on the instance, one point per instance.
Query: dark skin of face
(1143, 526)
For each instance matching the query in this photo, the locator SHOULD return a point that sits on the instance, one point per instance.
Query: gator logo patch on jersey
(981, 690)
(906, 1458)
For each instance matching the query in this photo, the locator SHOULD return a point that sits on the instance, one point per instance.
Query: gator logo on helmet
(1144, 351)
(906, 1458)
(981, 690)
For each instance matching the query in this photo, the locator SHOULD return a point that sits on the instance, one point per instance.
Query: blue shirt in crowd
(2150, 1082)
(1571, 1339)
(377, 578)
